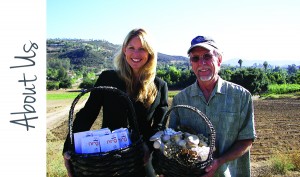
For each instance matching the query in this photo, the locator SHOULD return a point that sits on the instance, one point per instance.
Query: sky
(246, 29)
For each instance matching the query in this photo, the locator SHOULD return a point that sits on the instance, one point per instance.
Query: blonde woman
(135, 74)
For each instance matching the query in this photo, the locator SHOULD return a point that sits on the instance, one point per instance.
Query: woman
(135, 74)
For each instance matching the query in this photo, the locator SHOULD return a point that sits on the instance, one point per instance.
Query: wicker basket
(121, 162)
(178, 166)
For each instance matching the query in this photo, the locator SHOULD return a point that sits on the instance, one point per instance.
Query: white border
(23, 22)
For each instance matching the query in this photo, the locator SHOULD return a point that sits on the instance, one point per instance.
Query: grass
(55, 162)
(281, 96)
(276, 91)
(295, 158)
(282, 163)
(283, 88)
(72, 95)
(172, 93)
(63, 95)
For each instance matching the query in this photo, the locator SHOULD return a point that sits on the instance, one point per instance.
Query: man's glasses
(205, 57)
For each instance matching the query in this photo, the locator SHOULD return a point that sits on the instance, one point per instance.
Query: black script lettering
(26, 121)
(27, 99)
(27, 108)
(25, 81)
(28, 58)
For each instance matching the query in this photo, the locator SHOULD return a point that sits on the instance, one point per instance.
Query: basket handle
(132, 120)
(212, 137)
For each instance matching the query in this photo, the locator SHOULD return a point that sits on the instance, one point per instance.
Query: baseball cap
(203, 41)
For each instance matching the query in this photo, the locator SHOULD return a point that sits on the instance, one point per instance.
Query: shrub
(87, 83)
(66, 83)
(295, 158)
(52, 85)
(281, 164)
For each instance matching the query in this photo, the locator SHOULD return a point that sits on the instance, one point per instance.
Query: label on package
(109, 142)
(123, 137)
(90, 144)
(78, 137)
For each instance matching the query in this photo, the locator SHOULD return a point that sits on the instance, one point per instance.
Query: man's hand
(211, 169)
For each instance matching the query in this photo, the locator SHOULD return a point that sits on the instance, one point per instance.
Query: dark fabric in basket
(177, 167)
(122, 162)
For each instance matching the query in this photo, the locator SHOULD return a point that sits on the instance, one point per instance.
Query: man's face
(205, 64)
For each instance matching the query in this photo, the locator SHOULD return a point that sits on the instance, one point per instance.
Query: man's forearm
(237, 150)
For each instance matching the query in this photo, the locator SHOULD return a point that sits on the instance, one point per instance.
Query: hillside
(99, 53)
(93, 53)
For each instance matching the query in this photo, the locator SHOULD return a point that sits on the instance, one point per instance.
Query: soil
(277, 125)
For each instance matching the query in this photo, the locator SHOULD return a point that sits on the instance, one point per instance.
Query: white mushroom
(156, 136)
(193, 140)
(158, 144)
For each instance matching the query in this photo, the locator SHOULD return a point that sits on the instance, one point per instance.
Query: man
(228, 106)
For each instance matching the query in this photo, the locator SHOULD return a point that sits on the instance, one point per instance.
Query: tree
(65, 83)
(265, 65)
(225, 74)
(252, 79)
(62, 74)
(292, 69)
(175, 74)
(87, 83)
(240, 62)
(277, 77)
(277, 69)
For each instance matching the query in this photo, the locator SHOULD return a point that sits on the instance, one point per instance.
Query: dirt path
(57, 113)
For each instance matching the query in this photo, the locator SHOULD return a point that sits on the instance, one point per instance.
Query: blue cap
(203, 41)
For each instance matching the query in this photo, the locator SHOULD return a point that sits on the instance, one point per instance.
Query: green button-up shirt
(230, 110)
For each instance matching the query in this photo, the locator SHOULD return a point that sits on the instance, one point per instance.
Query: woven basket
(121, 162)
(181, 167)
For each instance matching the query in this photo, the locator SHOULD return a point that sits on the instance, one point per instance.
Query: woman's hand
(67, 157)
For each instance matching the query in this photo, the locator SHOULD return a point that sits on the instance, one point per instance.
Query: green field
(72, 95)
(276, 91)
(63, 95)
(172, 93)
(283, 88)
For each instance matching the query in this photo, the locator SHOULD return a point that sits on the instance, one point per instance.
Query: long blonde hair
(145, 91)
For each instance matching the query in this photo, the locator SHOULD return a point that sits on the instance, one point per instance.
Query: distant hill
(273, 63)
(92, 53)
(99, 53)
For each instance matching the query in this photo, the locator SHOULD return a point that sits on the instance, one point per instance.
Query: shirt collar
(220, 85)
(195, 90)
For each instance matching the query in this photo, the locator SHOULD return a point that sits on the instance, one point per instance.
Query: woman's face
(136, 56)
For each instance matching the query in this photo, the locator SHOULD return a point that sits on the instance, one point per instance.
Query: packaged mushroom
(175, 144)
